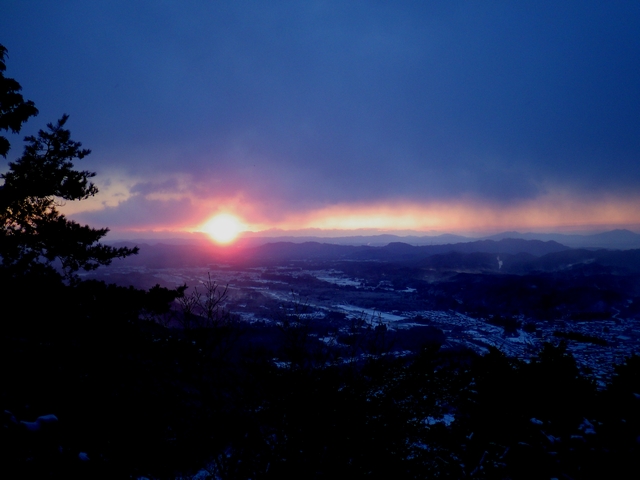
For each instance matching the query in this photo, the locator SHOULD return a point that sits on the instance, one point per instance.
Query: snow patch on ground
(447, 419)
(374, 314)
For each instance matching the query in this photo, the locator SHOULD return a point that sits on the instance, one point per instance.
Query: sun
(223, 228)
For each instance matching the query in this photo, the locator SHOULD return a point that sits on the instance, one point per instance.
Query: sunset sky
(398, 116)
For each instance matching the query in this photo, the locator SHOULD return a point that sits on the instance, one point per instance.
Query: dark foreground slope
(297, 398)
(137, 399)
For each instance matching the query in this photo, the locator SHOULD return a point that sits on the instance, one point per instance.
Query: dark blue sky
(301, 114)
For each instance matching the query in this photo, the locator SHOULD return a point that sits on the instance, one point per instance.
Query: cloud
(139, 213)
(187, 212)
(551, 212)
(145, 188)
(281, 110)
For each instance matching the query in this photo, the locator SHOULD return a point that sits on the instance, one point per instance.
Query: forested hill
(162, 255)
(398, 251)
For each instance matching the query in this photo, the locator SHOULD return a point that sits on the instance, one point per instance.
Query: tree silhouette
(14, 110)
(34, 235)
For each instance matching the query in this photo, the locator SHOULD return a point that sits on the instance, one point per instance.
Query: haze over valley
(510, 293)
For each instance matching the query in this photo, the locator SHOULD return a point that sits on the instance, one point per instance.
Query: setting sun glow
(223, 228)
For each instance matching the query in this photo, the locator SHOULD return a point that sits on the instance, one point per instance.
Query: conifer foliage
(34, 235)
(14, 110)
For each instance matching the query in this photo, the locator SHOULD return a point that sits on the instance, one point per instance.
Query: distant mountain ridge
(359, 240)
(162, 255)
(615, 239)
(514, 256)
(398, 251)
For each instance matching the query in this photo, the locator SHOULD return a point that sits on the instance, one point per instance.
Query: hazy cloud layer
(302, 105)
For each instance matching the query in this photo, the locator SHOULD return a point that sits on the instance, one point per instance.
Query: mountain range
(614, 239)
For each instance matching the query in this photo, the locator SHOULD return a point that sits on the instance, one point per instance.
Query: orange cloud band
(552, 212)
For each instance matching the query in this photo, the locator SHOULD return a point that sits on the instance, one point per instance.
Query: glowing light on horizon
(223, 228)
(550, 212)
(247, 216)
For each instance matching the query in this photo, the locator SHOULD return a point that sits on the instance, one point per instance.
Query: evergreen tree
(14, 110)
(34, 235)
